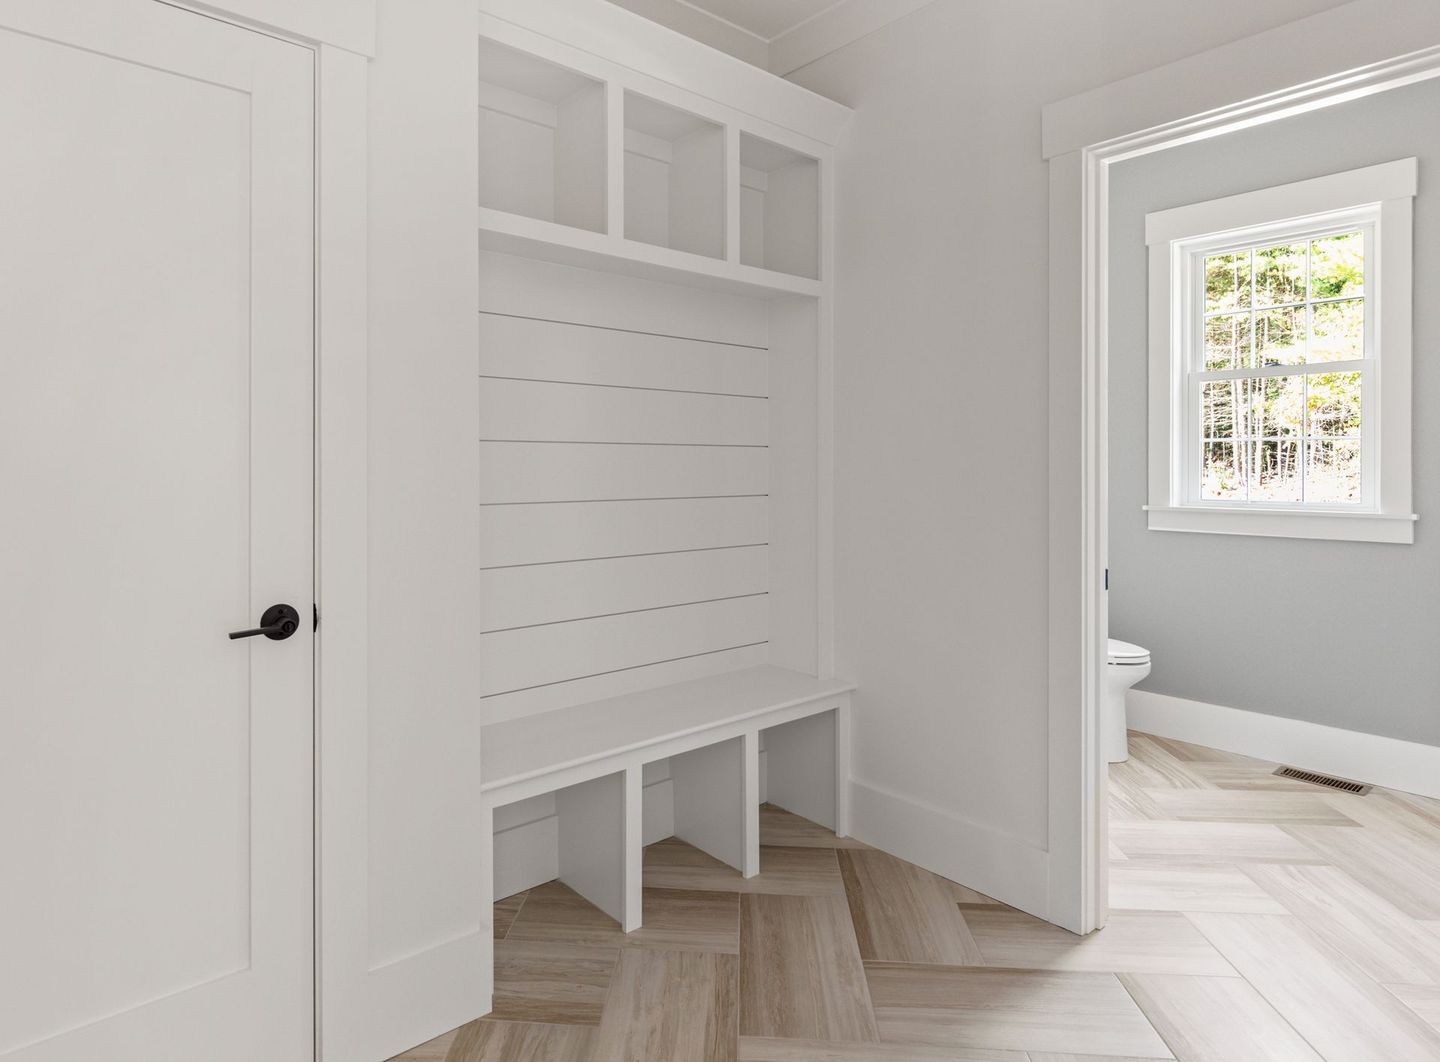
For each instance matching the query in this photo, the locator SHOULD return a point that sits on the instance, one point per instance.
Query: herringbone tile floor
(1253, 918)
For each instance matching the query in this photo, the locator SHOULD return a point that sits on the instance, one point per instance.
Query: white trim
(839, 25)
(1331, 57)
(1361, 48)
(1404, 765)
(1376, 199)
(346, 24)
(1285, 523)
(1299, 199)
(988, 861)
(632, 41)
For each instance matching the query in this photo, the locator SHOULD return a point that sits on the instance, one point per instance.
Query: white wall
(941, 374)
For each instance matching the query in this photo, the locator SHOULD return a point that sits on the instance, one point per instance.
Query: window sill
(1285, 523)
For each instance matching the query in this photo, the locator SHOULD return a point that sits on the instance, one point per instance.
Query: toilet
(1125, 665)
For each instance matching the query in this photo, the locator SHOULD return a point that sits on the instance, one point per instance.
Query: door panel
(155, 460)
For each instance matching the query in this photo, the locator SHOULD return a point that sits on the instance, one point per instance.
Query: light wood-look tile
(967, 897)
(1373, 934)
(967, 1006)
(509, 1041)
(1052, 1056)
(1136, 885)
(1130, 802)
(551, 982)
(1216, 1019)
(1344, 1015)
(1400, 868)
(1132, 941)
(556, 912)
(434, 1050)
(1253, 775)
(689, 920)
(1424, 1000)
(800, 970)
(768, 1049)
(787, 830)
(1151, 767)
(673, 1005)
(673, 864)
(1189, 754)
(1214, 842)
(505, 912)
(1235, 805)
(902, 913)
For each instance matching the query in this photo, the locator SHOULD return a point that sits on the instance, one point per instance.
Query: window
(1270, 413)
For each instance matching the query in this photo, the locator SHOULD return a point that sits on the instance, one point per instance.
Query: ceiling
(766, 19)
(776, 35)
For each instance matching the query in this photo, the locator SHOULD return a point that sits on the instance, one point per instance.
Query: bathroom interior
(708, 530)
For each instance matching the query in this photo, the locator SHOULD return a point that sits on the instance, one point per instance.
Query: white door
(156, 423)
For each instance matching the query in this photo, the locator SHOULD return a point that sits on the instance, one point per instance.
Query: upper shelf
(549, 242)
(586, 163)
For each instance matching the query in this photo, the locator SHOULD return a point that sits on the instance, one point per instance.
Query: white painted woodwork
(674, 178)
(689, 756)
(514, 473)
(630, 443)
(498, 708)
(709, 789)
(544, 411)
(536, 595)
(563, 352)
(542, 139)
(592, 820)
(684, 715)
(780, 208)
(800, 761)
(546, 534)
(526, 657)
(156, 423)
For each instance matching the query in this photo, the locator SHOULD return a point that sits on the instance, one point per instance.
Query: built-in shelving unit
(586, 162)
(779, 208)
(655, 402)
(542, 139)
(674, 178)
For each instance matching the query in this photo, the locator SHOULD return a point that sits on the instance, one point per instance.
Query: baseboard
(1404, 765)
(982, 859)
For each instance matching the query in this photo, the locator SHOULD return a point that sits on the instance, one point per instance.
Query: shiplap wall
(625, 480)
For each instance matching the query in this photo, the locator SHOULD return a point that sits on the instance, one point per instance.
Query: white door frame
(1358, 49)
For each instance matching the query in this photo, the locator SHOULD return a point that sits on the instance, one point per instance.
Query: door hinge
(1107, 580)
(317, 617)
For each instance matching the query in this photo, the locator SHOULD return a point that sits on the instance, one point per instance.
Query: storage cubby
(542, 139)
(674, 178)
(779, 208)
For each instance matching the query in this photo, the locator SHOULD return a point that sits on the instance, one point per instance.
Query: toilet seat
(1126, 654)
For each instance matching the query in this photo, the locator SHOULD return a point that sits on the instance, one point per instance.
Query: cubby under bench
(592, 758)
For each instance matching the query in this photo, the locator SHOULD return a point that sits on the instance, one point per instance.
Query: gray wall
(1341, 633)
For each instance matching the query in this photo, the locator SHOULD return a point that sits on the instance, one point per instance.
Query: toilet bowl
(1125, 665)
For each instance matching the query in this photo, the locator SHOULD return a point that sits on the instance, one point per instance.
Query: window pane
(1338, 333)
(1280, 336)
(1222, 473)
(1334, 404)
(1227, 282)
(1277, 406)
(1280, 274)
(1332, 471)
(1222, 410)
(1227, 342)
(1337, 266)
(1275, 470)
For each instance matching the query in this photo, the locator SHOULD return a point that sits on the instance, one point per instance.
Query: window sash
(1194, 318)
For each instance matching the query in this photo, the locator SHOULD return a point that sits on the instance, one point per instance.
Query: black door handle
(277, 624)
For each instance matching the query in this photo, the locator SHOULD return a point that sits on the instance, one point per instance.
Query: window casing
(1280, 360)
